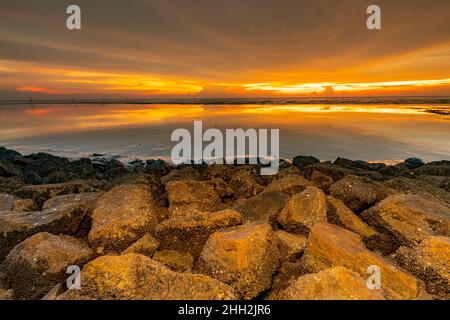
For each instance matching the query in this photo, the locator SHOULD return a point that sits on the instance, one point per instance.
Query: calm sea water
(366, 132)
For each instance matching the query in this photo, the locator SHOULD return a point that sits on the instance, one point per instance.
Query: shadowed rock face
(340, 215)
(330, 246)
(336, 283)
(61, 217)
(189, 234)
(303, 211)
(290, 246)
(42, 193)
(147, 245)
(359, 193)
(263, 207)
(409, 219)
(136, 277)
(40, 262)
(174, 260)
(121, 217)
(430, 261)
(245, 257)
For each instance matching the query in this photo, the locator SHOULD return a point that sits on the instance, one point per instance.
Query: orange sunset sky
(218, 48)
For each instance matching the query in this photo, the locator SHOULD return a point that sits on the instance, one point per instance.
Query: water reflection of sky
(368, 132)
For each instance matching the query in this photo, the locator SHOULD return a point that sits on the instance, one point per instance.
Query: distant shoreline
(242, 101)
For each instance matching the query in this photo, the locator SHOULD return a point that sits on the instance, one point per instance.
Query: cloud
(221, 42)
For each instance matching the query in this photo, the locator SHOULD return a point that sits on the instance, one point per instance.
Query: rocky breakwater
(316, 230)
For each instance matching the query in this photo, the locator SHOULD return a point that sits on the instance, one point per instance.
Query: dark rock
(412, 163)
(7, 169)
(82, 169)
(8, 154)
(32, 177)
(136, 165)
(434, 169)
(121, 217)
(45, 164)
(303, 161)
(157, 167)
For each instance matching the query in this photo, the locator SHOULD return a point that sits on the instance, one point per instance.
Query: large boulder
(40, 262)
(337, 283)
(41, 193)
(66, 217)
(429, 261)
(121, 217)
(409, 219)
(304, 210)
(189, 234)
(359, 193)
(137, 277)
(340, 215)
(245, 257)
(263, 207)
(329, 246)
(187, 196)
(290, 185)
